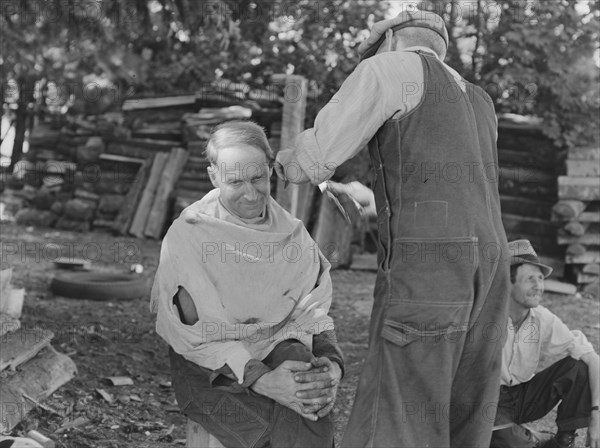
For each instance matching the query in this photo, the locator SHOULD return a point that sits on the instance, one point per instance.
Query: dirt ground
(117, 339)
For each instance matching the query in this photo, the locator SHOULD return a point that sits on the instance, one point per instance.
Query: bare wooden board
(127, 211)
(38, 378)
(154, 103)
(160, 206)
(583, 168)
(589, 239)
(22, 345)
(586, 278)
(582, 188)
(591, 256)
(556, 286)
(143, 209)
(590, 153)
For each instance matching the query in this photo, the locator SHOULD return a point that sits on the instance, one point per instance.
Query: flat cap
(406, 19)
(522, 252)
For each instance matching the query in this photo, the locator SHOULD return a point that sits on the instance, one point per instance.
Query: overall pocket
(432, 289)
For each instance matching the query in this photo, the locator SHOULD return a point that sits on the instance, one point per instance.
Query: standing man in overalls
(431, 375)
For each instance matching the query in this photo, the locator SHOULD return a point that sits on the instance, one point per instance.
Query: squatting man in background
(543, 363)
(253, 352)
(437, 286)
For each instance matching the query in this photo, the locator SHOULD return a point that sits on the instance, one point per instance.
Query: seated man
(242, 295)
(536, 338)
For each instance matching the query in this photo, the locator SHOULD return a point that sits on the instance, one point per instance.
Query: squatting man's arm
(592, 360)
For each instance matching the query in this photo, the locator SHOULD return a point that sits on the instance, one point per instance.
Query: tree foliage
(534, 57)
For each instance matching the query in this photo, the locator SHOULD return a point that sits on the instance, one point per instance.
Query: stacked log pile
(578, 214)
(130, 171)
(30, 368)
(528, 166)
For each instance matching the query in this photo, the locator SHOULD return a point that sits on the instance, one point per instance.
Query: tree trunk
(26, 85)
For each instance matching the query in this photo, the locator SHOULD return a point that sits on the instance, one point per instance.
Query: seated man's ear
(212, 174)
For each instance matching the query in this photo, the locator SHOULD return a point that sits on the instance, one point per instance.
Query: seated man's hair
(235, 133)
(414, 36)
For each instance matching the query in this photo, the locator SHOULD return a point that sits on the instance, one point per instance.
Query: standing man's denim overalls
(432, 372)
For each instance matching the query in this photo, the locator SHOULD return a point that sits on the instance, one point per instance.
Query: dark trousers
(246, 419)
(566, 382)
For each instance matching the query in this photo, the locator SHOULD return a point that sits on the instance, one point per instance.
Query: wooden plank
(583, 168)
(157, 103)
(589, 217)
(559, 287)
(583, 279)
(515, 158)
(22, 345)
(516, 205)
(525, 224)
(143, 209)
(121, 159)
(582, 188)
(333, 235)
(160, 206)
(127, 211)
(39, 378)
(590, 239)
(589, 153)
(297, 199)
(591, 256)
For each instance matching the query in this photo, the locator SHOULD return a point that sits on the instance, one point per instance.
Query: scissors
(324, 187)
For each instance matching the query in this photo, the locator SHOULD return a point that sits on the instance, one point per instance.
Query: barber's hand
(355, 197)
(593, 434)
(280, 386)
(288, 169)
(323, 381)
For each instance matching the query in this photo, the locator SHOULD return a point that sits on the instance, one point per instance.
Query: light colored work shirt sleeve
(558, 341)
(384, 86)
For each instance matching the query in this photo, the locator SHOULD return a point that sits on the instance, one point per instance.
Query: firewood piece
(576, 250)
(569, 209)
(576, 228)
(143, 209)
(22, 345)
(160, 206)
(39, 378)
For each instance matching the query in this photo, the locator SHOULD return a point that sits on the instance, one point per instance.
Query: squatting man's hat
(521, 251)
(406, 19)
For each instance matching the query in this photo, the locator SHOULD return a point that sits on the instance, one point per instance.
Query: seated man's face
(528, 287)
(242, 174)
